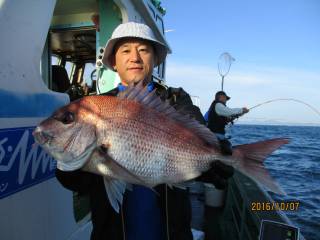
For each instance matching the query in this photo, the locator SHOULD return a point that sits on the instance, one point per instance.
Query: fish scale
(154, 155)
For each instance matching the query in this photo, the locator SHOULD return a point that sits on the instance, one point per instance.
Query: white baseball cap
(134, 30)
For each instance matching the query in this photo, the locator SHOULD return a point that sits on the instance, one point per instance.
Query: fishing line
(287, 99)
(229, 127)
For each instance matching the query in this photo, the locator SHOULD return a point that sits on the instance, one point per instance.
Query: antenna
(224, 64)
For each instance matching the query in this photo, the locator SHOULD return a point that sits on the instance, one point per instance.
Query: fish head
(69, 135)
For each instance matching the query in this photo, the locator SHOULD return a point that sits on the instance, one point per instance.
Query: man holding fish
(130, 151)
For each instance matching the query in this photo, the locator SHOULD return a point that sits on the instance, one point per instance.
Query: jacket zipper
(167, 212)
(123, 226)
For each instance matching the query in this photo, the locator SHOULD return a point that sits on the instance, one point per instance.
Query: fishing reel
(232, 119)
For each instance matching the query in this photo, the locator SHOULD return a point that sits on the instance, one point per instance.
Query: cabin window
(55, 60)
(90, 77)
(72, 54)
(69, 66)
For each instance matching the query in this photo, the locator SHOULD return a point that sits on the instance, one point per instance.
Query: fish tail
(251, 158)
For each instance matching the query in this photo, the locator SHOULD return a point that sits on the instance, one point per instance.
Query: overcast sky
(276, 46)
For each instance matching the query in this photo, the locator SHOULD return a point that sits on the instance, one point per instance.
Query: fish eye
(67, 117)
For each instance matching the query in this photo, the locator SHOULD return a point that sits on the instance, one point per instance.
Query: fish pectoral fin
(115, 190)
(121, 171)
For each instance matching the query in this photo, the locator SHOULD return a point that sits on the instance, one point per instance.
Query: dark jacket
(216, 123)
(174, 203)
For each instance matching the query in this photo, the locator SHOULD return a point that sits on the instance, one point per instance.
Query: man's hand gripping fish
(137, 138)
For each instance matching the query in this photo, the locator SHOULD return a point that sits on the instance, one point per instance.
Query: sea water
(295, 166)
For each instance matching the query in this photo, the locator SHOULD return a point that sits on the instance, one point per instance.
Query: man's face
(223, 98)
(134, 60)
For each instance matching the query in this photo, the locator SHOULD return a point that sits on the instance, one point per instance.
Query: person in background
(162, 213)
(219, 115)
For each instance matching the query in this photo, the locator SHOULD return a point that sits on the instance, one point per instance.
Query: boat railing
(239, 218)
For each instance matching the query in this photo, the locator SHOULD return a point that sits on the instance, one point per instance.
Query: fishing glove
(217, 175)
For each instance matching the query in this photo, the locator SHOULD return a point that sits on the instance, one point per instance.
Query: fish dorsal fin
(140, 94)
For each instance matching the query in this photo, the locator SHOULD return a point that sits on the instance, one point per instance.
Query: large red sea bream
(137, 138)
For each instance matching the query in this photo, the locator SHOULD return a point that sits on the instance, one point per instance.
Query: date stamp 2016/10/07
(275, 206)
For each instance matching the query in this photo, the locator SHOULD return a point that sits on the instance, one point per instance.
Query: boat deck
(235, 220)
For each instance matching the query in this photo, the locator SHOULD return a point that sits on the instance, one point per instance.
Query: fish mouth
(66, 161)
(41, 137)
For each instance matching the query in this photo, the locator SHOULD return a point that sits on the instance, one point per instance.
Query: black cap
(221, 93)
